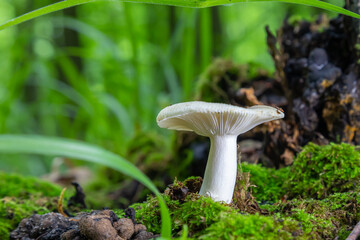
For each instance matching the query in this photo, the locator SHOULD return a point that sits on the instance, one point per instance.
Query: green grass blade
(42, 11)
(32, 144)
(182, 3)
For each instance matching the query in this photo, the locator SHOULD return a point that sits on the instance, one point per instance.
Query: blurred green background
(101, 72)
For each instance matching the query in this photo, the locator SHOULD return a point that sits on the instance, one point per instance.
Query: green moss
(326, 218)
(268, 181)
(198, 214)
(148, 212)
(19, 186)
(238, 226)
(327, 169)
(319, 171)
(206, 219)
(21, 197)
(119, 212)
(13, 210)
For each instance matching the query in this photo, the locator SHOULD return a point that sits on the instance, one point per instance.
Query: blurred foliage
(319, 171)
(151, 153)
(101, 72)
(15, 185)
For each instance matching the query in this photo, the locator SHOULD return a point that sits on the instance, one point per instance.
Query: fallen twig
(60, 203)
(355, 232)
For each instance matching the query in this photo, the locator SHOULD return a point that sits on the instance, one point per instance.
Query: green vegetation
(238, 226)
(21, 197)
(84, 78)
(151, 154)
(14, 185)
(301, 218)
(319, 171)
(79, 150)
(269, 182)
(13, 210)
(191, 3)
(89, 73)
(326, 218)
(207, 219)
(304, 218)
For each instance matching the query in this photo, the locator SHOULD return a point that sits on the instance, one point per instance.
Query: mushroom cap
(208, 119)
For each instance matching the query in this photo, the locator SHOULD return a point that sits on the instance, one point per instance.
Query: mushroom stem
(221, 168)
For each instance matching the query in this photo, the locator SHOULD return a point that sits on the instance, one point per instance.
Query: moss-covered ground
(316, 198)
(21, 197)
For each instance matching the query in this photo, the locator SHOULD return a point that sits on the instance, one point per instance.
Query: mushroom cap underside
(209, 119)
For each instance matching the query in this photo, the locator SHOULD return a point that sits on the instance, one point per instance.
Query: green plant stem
(181, 3)
(33, 144)
(129, 26)
(206, 38)
(188, 46)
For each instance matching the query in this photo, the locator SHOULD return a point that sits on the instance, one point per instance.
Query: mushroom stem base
(221, 169)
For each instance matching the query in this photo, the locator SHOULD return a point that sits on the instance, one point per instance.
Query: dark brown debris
(130, 213)
(79, 198)
(193, 184)
(94, 226)
(179, 190)
(243, 198)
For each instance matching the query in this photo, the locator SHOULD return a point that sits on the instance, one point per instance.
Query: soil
(96, 225)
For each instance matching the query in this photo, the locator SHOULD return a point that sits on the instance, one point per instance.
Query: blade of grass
(181, 3)
(33, 144)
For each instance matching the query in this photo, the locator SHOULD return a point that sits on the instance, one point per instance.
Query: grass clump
(319, 171)
(21, 197)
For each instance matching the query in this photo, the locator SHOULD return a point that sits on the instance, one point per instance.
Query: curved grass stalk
(33, 144)
(181, 3)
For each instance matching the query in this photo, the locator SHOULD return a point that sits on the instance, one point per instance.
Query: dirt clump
(104, 224)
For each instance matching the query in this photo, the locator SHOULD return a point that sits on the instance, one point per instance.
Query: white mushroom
(222, 123)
